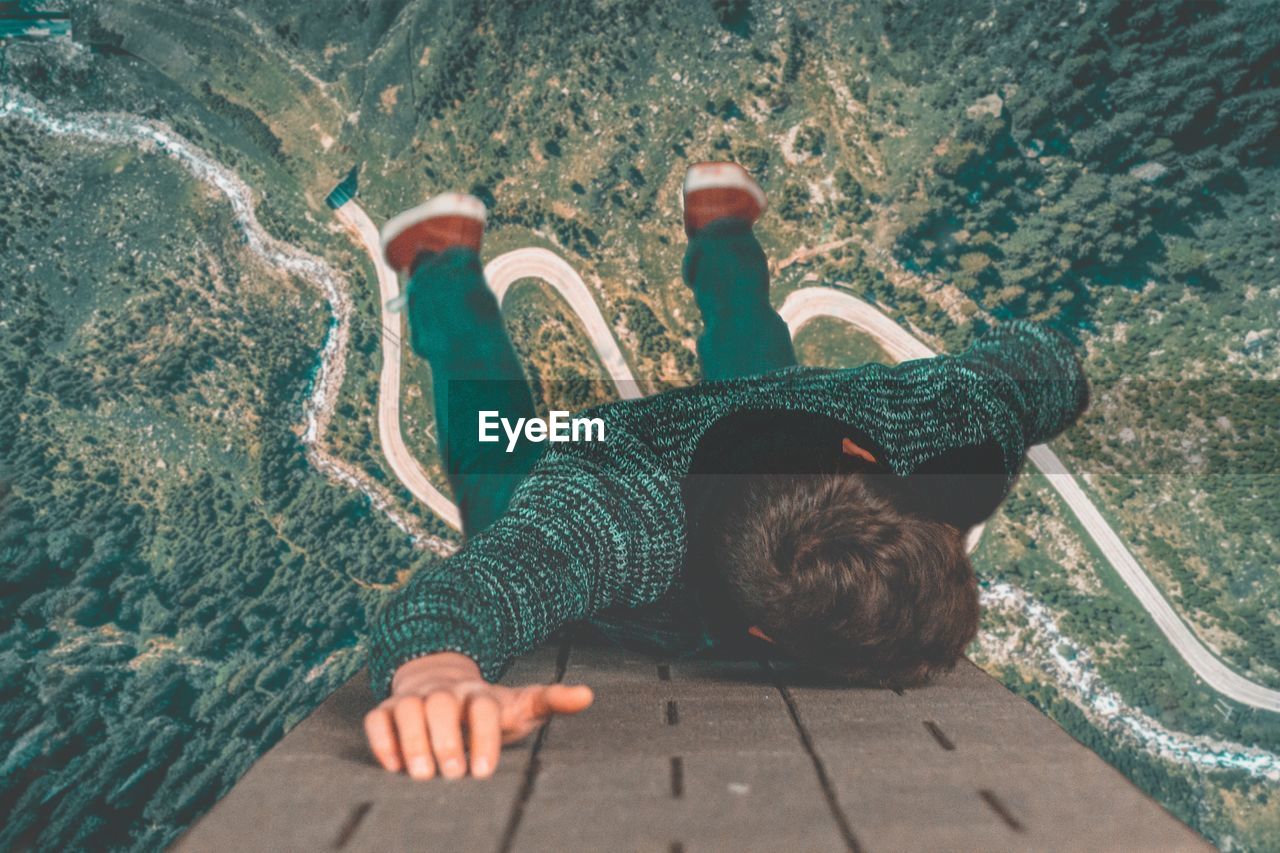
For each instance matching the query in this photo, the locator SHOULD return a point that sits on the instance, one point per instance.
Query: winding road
(403, 463)
(506, 269)
(500, 273)
(798, 308)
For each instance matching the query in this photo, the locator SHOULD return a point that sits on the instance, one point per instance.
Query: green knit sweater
(601, 525)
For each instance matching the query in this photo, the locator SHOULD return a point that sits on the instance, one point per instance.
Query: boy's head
(838, 572)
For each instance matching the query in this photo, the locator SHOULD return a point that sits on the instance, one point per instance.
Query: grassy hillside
(828, 342)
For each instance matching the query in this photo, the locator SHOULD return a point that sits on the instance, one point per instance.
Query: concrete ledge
(709, 755)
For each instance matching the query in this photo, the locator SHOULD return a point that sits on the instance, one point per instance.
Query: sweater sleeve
(578, 536)
(1017, 386)
(1033, 370)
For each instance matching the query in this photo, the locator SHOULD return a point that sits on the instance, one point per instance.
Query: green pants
(456, 325)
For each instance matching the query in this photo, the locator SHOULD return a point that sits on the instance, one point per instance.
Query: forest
(161, 624)
(1135, 154)
(1094, 168)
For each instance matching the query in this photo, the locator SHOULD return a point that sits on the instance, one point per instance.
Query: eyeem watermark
(558, 427)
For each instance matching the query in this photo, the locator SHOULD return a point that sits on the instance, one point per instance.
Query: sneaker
(449, 219)
(718, 191)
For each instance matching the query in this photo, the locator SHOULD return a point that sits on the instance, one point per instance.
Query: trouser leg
(456, 325)
(742, 335)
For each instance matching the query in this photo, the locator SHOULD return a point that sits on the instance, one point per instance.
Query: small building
(345, 190)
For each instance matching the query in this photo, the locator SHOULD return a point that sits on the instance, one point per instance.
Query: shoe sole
(460, 205)
(722, 175)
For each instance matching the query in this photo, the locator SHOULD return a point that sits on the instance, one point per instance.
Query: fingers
(570, 698)
(444, 724)
(561, 699)
(378, 728)
(412, 731)
(484, 724)
(532, 705)
(423, 736)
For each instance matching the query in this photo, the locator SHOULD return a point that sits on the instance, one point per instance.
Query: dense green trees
(1117, 134)
(177, 584)
(1119, 177)
(121, 628)
(729, 11)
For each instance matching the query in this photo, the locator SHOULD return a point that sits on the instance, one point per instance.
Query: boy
(820, 510)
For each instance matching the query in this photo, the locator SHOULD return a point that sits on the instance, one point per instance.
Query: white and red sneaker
(449, 219)
(719, 190)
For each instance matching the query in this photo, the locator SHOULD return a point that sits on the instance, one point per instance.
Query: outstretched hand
(419, 727)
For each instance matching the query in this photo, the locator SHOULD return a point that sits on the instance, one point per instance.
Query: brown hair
(837, 572)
